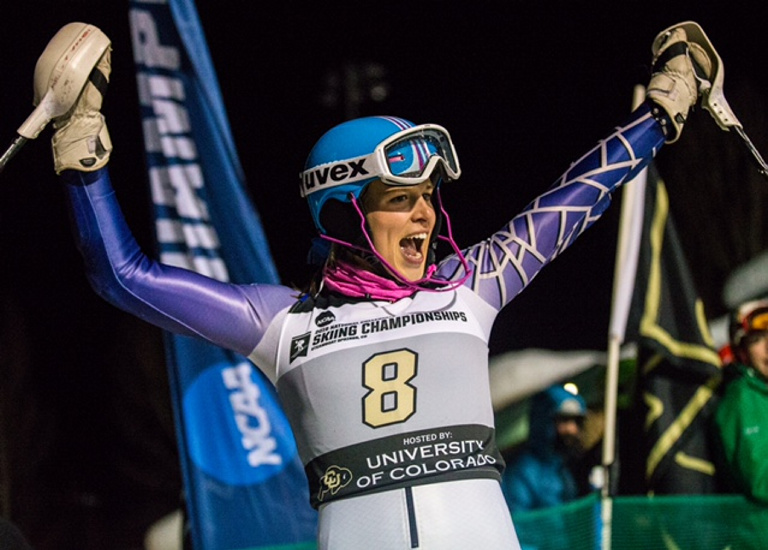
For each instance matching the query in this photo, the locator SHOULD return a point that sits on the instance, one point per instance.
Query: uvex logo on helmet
(333, 174)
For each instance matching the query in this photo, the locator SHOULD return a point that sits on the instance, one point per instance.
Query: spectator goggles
(756, 321)
(408, 157)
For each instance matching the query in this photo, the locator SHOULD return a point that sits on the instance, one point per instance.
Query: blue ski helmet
(355, 153)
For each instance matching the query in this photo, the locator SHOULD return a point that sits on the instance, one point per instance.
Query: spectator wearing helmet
(540, 475)
(741, 418)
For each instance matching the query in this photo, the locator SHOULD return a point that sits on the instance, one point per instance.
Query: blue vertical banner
(244, 483)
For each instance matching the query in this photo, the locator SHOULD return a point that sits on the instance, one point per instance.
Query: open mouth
(412, 247)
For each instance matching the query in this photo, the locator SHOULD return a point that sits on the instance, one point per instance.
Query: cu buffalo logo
(334, 479)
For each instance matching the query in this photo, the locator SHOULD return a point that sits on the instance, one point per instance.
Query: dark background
(88, 457)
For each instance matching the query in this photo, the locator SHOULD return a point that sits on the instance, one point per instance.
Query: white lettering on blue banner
(245, 403)
(184, 231)
(185, 235)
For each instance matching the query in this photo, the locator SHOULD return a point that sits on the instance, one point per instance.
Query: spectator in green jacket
(742, 415)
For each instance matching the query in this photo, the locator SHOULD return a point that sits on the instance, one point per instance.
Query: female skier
(381, 365)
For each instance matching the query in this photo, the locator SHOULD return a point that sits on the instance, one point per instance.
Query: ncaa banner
(244, 483)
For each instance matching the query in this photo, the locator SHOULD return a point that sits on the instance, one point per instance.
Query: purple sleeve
(231, 316)
(504, 264)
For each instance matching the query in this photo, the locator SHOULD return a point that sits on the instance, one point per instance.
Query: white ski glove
(71, 77)
(681, 70)
(81, 141)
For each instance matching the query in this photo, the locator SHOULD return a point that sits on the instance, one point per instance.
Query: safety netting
(669, 522)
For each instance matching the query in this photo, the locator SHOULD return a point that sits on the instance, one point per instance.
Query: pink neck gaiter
(349, 280)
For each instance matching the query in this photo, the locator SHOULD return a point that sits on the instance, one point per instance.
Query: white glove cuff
(82, 144)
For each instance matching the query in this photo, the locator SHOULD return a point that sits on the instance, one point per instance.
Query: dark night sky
(524, 89)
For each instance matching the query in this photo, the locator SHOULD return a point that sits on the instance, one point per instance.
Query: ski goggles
(756, 320)
(409, 157)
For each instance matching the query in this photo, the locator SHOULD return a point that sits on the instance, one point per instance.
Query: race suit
(389, 401)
